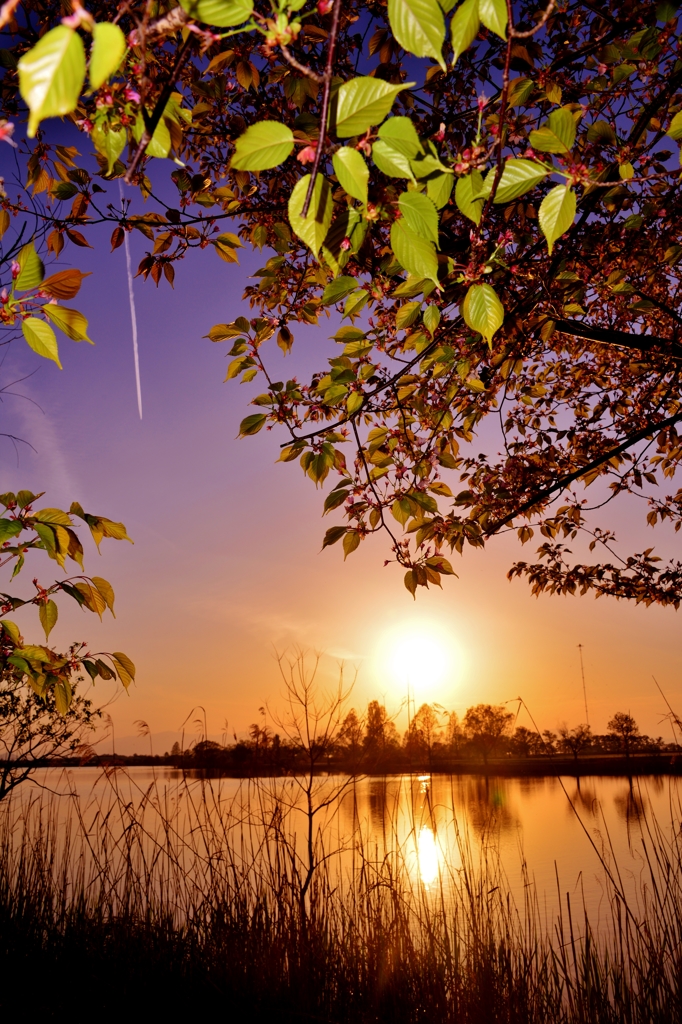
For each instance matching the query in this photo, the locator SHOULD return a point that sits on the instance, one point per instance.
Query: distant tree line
(434, 738)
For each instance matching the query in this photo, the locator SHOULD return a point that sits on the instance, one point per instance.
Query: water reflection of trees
(630, 804)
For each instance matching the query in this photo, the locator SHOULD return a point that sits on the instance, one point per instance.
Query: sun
(422, 658)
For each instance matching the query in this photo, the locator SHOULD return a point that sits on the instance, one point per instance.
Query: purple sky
(226, 567)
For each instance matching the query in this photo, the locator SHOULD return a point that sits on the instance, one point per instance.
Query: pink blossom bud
(324, 6)
(345, 244)
(307, 154)
(16, 270)
(6, 132)
(131, 95)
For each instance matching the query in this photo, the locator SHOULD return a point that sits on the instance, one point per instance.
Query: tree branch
(326, 96)
(607, 336)
(563, 482)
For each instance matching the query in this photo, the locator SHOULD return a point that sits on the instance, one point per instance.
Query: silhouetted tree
(574, 740)
(485, 725)
(625, 728)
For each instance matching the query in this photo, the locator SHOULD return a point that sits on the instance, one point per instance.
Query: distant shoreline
(510, 767)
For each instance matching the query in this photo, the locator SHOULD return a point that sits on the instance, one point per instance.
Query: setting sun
(421, 657)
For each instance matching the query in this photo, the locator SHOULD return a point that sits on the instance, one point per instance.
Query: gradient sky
(227, 569)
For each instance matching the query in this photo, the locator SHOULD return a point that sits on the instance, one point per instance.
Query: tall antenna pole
(582, 672)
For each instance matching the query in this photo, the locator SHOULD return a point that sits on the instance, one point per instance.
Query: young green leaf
(263, 145)
(352, 172)
(518, 177)
(420, 214)
(51, 75)
(391, 161)
(311, 229)
(464, 28)
(439, 189)
(415, 254)
(556, 213)
(338, 290)
(160, 142)
(419, 27)
(675, 129)
(493, 14)
(31, 269)
(558, 135)
(222, 13)
(70, 321)
(401, 134)
(251, 424)
(108, 49)
(108, 141)
(41, 338)
(48, 614)
(361, 103)
(124, 667)
(483, 311)
(464, 196)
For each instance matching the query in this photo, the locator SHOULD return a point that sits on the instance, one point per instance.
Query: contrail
(133, 314)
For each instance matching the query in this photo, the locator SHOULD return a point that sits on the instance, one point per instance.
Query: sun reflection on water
(427, 855)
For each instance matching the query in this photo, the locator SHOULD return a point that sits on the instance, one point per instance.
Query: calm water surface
(546, 831)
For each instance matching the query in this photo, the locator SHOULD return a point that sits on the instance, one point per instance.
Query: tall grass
(176, 901)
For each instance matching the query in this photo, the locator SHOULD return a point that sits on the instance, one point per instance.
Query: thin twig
(157, 113)
(541, 24)
(308, 72)
(326, 96)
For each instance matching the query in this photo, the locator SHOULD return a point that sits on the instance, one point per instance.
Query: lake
(543, 836)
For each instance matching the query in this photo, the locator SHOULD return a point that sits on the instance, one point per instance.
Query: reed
(175, 900)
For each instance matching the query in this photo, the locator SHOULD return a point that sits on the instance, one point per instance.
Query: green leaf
(355, 302)
(352, 172)
(338, 289)
(41, 338)
(465, 190)
(675, 129)
(9, 528)
(493, 14)
(419, 27)
(407, 315)
(518, 177)
(124, 667)
(311, 229)
(464, 28)
(483, 311)
(333, 534)
(223, 13)
(415, 254)
(252, 424)
(439, 189)
(353, 405)
(401, 134)
(391, 161)
(520, 90)
(107, 591)
(66, 189)
(48, 614)
(108, 141)
(70, 321)
(420, 215)
(160, 143)
(62, 697)
(558, 135)
(556, 213)
(602, 131)
(350, 542)
(263, 145)
(431, 318)
(108, 50)
(361, 103)
(51, 75)
(31, 271)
